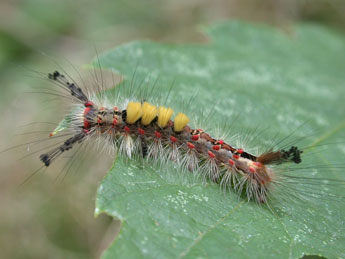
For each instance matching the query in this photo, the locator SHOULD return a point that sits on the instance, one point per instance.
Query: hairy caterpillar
(89, 121)
(142, 129)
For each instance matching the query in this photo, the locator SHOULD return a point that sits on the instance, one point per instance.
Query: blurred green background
(49, 218)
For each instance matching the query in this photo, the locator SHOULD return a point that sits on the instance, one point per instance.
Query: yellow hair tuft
(149, 113)
(164, 115)
(181, 120)
(134, 112)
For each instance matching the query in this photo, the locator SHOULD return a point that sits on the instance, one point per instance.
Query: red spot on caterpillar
(116, 109)
(190, 145)
(158, 134)
(87, 110)
(102, 108)
(252, 169)
(51, 134)
(231, 162)
(211, 155)
(200, 130)
(86, 131)
(86, 124)
(127, 130)
(240, 151)
(114, 122)
(99, 121)
(173, 139)
(220, 142)
(141, 131)
(236, 156)
(257, 164)
(195, 137)
(216, 147)
(88, 104)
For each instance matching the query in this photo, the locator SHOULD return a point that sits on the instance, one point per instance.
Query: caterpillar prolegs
(142, 129)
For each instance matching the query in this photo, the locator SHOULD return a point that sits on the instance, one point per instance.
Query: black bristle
(293, 154)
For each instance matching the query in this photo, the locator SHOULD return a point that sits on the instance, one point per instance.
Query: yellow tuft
(180, 122)
(149, 113)
(134, 112)
(164, 115)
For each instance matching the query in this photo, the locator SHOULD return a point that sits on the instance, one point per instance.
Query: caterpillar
(141, 129)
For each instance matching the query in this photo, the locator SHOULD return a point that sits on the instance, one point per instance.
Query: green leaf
(272, 80)
(64, 124)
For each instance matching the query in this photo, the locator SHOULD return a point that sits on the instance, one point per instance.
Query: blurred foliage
(41, 219)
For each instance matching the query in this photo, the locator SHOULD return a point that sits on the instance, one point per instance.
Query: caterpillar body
(142, 129)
